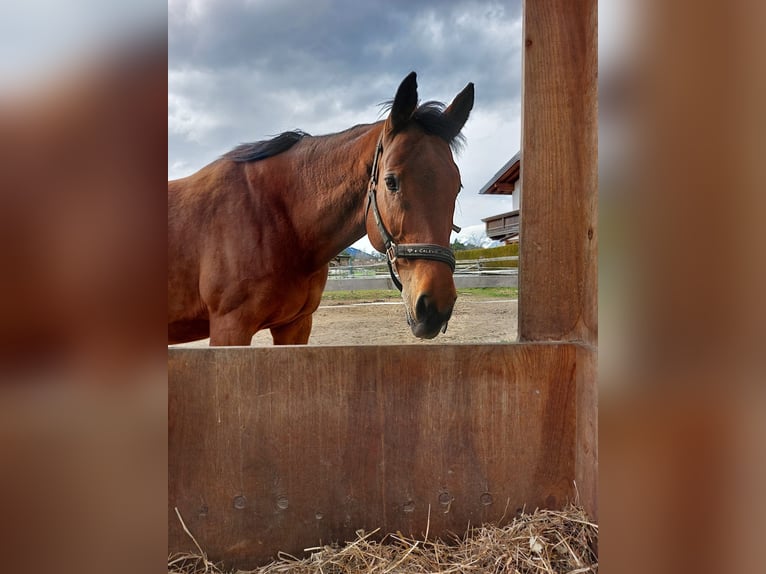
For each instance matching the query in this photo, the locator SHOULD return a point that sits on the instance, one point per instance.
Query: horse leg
(295, 333)
(229, 330)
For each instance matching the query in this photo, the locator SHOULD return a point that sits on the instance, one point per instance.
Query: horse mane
(430, 116)
(255, 151)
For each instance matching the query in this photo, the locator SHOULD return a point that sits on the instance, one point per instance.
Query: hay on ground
(545, 541)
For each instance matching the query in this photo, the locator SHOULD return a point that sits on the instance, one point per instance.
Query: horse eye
(392, 183)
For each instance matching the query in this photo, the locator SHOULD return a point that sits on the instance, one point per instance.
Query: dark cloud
(240, 71)
(294, 36)
(318, 45)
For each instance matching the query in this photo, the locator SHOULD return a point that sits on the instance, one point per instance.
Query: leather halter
(394, 251)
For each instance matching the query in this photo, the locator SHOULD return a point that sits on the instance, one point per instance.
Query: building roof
(503, 181)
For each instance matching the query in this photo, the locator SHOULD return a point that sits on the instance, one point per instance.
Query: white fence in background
(468, 273)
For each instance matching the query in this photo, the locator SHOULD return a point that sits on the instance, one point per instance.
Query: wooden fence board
(285, 448)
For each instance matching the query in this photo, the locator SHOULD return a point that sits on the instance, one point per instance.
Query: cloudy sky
(245, 70)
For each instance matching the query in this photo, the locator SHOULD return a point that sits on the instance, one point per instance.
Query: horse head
(414, 185)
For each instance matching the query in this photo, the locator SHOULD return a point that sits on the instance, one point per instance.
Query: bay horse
(251, 235)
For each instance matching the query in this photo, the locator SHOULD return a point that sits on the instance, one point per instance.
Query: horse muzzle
(428, 321)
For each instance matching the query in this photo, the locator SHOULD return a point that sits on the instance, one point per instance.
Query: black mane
(262, 149)
(430, 116)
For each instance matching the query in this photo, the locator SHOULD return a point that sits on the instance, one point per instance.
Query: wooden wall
(285, 448)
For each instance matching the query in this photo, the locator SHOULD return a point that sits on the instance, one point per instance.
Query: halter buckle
(391, 252)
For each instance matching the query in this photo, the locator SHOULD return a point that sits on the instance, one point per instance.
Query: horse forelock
(431, 118)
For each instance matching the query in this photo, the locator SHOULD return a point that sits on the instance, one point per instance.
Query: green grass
(391, 295)
(490, 292)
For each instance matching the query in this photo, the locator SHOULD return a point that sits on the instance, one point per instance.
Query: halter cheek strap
(407, 250)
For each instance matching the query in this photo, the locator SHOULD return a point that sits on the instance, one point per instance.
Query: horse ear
(405, 102)
(460, 108)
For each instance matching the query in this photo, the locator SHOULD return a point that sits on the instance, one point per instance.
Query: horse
(251, 235)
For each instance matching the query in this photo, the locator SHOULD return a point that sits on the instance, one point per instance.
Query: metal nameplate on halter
(422, 251)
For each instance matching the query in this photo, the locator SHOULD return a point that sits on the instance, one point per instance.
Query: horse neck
(335, 192)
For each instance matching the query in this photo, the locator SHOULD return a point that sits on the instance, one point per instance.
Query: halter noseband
(408, 250)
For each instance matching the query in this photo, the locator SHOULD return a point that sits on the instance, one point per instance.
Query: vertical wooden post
(558, 271)
(559, 172)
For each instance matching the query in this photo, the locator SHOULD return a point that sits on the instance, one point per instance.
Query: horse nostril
(422, 307)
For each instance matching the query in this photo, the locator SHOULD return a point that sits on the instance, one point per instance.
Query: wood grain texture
(285, 448)
(586, 463)
(558, 247)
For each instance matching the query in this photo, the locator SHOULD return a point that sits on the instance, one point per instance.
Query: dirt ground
(474, 320)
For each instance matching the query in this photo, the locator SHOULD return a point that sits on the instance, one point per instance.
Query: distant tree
(457, 245)
(476, 240)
